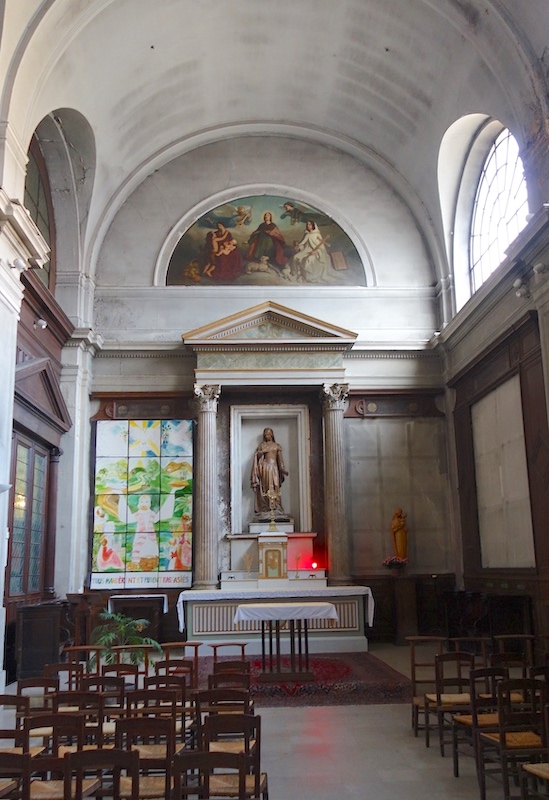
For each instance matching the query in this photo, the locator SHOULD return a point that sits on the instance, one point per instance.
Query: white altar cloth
(285, 611)
(274, 594)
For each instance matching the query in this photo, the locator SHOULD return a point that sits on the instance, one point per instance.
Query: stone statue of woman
(267, 476)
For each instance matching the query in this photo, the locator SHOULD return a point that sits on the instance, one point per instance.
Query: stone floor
(359, 753)
(365, 752)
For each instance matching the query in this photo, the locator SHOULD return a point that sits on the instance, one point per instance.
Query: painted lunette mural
(265, 240)
(142, 521)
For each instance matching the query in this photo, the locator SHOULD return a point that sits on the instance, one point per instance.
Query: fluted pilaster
(337, 537)
(206, 511)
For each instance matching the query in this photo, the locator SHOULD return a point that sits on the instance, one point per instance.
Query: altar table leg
(299, 668)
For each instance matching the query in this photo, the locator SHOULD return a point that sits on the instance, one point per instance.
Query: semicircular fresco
(265, 240)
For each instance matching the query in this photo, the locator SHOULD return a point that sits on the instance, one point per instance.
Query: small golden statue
(399, 529)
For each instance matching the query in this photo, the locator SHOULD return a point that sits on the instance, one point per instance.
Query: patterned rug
(340, 679)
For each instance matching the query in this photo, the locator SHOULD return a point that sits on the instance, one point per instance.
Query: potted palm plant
(117, 631)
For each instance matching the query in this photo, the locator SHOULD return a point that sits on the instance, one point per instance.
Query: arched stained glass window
(500, 208)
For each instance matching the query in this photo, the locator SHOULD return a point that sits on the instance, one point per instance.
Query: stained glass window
(142, 523)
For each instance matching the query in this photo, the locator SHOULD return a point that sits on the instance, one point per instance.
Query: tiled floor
(359, 753)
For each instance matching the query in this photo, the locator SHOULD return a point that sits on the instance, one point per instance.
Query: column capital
(334, 395)
(206, 396)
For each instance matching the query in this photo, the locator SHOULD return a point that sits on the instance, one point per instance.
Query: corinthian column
(337, 537)
(206, 511)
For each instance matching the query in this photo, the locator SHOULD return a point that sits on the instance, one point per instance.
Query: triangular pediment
(269, 322)
(37, 389)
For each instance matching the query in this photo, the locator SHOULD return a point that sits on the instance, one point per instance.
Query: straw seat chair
(153, 738)
(422, 673)
(483, 682)
(219, 701)
(172, 647)
(16, 708)
(130, 673)
(58, 731)
(451, 693)
(15, 774)
(520, 737)
(234, 733)
(40, 692)
(177, 666)
(68, 673)
(113, 773)
(90, 706)
(203, 774)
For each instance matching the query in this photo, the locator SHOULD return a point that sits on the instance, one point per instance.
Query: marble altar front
(208, 616)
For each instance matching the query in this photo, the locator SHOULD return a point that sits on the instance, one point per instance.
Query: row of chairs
(113, 714)
(503, 720)
(115, 773)
(507, 650)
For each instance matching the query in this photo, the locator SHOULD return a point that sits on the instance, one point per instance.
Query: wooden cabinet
(38, 637)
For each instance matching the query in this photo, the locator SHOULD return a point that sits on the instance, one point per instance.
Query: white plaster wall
(11, 294)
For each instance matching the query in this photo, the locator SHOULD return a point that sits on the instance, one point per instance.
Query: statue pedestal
(271, 559)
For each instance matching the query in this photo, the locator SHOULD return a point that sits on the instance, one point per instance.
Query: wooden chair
(520, 736)
(57, 732)
(171, 647)
(220, 645)
(479, 646)
(40, 692)
(15, 774)
(68, 673)
(87, 655)
(518, 643)
(112, 689)
(515, 663)
(451, 693)
(219, 701)
(90, 706)
(200, 773)
(15, 708)
(159, 702)
(154, 740)
(422, 672)
(177, 683)
(232, 665)
(112, 773)
(234, 733)
(126, 671)
(483, 682)
(177, 666)
(238, 680)
(534, 778)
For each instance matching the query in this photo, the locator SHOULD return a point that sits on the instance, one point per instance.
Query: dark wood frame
(518, 353)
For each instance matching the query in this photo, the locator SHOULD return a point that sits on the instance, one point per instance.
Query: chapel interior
(326, 220)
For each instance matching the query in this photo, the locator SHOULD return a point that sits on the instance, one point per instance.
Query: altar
(209, 616)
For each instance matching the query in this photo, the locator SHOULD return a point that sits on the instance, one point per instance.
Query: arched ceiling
(384, 79)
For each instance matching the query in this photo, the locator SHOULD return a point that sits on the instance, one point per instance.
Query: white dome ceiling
(381, 79)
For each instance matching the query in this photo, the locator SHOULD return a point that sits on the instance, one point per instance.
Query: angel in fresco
(228, 215)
